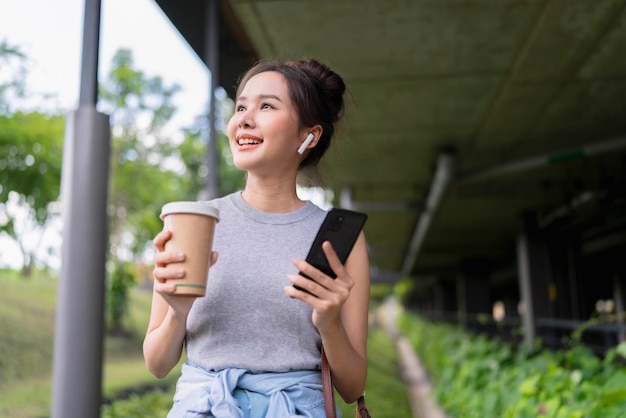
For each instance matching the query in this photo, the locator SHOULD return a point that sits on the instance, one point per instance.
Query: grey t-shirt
(246, 320)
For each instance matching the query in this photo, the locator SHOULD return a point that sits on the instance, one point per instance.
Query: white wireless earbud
(306, 143)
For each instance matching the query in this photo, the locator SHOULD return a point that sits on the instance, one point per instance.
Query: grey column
(618, 296)
(77, 367)
(438, 300)
(534, 276)
(528, 317)
(461, 300)
(473, 292)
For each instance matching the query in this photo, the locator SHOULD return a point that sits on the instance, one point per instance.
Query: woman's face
(265, 133)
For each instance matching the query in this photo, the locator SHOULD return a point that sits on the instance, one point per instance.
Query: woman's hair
(316, 92)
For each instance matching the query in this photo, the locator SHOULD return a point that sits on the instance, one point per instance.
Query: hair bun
(331, 82)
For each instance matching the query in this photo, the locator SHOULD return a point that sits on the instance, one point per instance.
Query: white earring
(306, 143)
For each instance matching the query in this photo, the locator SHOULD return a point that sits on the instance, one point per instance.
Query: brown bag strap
(329, 394)
(327, 387)
(361, 408)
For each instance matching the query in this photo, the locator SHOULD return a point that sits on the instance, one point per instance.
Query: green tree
(192, 151)
(30, 161)
(148, 169)
(150, 166)
(12, 74)
(30, 173)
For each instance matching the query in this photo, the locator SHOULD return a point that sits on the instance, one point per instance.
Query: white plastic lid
(198, 208)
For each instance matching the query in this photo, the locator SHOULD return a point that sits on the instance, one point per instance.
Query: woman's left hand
(325, 294)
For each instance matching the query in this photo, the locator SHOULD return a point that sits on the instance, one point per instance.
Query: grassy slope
(386, 395)
(26, 344)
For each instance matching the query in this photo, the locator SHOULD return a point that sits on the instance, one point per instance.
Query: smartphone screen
(341, 227)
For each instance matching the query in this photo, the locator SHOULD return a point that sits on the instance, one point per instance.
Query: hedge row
(476, 376)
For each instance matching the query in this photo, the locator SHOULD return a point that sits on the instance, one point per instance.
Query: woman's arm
(340, 312)
(163, 344)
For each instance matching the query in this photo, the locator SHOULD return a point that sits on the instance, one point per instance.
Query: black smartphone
(341, 227)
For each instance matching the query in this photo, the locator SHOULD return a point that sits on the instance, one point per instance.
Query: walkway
(413, 373)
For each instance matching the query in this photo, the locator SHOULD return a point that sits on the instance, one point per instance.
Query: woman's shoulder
(223, 201)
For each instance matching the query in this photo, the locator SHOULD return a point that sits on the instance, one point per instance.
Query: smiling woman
(263, 236)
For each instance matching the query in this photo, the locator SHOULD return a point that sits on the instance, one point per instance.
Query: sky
(49, 32)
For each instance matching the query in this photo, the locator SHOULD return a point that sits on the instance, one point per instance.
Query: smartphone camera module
(335, 223)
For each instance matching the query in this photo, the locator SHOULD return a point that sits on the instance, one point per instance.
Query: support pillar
(78, 343)
(461, 297)
(473, 293)
(438, 301)
(618, 296)
(534, 277)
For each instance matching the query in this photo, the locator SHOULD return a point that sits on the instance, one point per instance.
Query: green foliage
(31, 148)
(31, 145)
(30, 174)
(479, 377)
(153, 404)
(193, 152)
(128, 95)
(231, 179)
(30, 160)
(147, 169)
(404, 288)
(120, 282)
(379, 292)
(12, 75)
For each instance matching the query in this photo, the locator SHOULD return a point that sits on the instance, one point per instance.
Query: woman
(253, 342)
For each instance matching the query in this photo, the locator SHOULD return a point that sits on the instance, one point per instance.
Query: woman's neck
(272, 196)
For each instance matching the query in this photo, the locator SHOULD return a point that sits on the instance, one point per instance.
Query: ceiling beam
(443, 174)
(547, 159)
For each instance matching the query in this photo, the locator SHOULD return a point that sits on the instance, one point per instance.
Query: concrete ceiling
(522, 100)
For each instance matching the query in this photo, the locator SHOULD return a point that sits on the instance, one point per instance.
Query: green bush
(480, 377)
(378, 293)
(152, 404)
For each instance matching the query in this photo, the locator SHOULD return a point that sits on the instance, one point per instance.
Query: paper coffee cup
(192, 225)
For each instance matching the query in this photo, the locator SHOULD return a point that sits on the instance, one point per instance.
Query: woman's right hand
(165, 275)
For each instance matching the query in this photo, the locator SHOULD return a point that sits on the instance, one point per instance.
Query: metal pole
(461, 297)
(619, 307)
(523, 267)
(77, 367)
(212, 36)
(91, 46)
